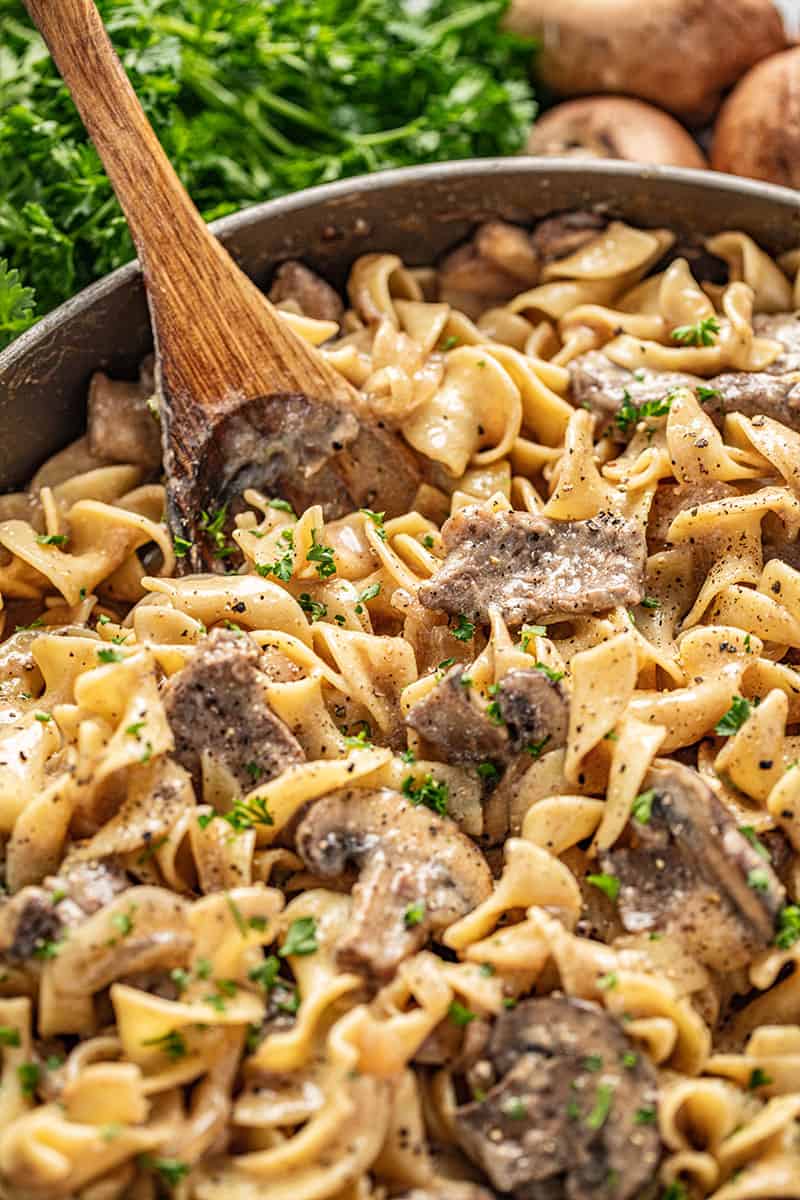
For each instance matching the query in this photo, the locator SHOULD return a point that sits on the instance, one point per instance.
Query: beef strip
(561, 1095)
(409, 860)
(122, 427)
(774, 392)
(533, 568)
(690, 872)
(530, 706)
(315, 297)
(600, 385)
(556, 237)
(217, 703)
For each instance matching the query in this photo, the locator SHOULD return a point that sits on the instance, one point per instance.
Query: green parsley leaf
(536, 749)
(322, 556)
(514, 1108)
(246, 814)
(702, 333)
(172, 1044)
(414, 914)
(301, 938)
(593, 1063)
(747, 831)
(312, 608)
(642, 807)
(488, 770)
(734, 718)
(52, 539)
(528, 633)
(16, 301)
(758, 879)
(463, 630)
(650, 602)
(608, 982)
(266, 973)
(109, 655)
(758, 1079)
(124, 922)
(28, 1074)
(181, 546)
(135, 729)
(377, 519)
(788, 931)
(281, 506)
(553, 676)
(369, 593)
(430, 792)
(609, 884)
(171, 1170)
(43, 717)
(707, 393)
(459, 1014)
(428, 541)
(629, 1060)
(604, 1098)
(9, 1036)
(645, 1116)
(629, 414)
(448, 343)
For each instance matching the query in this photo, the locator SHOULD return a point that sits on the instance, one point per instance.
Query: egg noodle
(195, 1034)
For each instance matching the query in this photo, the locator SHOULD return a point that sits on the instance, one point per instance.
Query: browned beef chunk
(531, 709)
(755, 393)
(531, 568)
(689, 871)
(600, 385)
(122, 427)
(417, 872)
(28, 923)
(315, 297)
(566, 1106)
(671, 499)
(87, 887)
(217, 703)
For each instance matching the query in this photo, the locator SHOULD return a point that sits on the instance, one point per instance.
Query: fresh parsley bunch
(251, 99)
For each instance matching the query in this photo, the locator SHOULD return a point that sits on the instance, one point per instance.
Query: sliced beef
(122, 427)
(217, 703)
(689, 871)
(565, 1106)
(315, 297)
(530, 708)
(671, 499)
(600, 385)
(755, 393)
(28, 923)
(417, 873)
(531, 567)
(88, 887)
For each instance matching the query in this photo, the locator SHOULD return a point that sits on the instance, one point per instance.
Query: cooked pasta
(450, 853)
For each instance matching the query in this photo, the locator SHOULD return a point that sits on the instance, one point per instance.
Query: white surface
(791, 12)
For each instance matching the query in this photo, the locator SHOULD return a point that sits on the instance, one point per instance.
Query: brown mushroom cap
(679, 54)
(758, 129)
(614, 127)
(408, 858)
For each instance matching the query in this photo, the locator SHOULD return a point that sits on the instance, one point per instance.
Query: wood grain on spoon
(245, 401)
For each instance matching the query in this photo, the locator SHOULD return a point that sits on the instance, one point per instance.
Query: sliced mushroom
(314, 297)
(689, 871)
(614, 127)
(678, 54)
(218, 704)
(531, 568)
(28, 922)
(417, 872)
(530, 707)
(122, 427)
(565, 1106)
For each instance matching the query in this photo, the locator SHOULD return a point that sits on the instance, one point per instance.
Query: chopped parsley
(245, 814)
(427, 541)
(758, 1079)
(301, 938)
(463, 629)
(109, 655)
(239, 921)
(702, 333)
(493, 707)
(707, 393)
(28, 1074)
(734, 718)
(322, 556)
(553, 676)
(536, 749)
(448, 343)
(608, 884)
(408, 756)
(747, 831)
(650, 602)
(642, 807)
(266, 973)
(124, 922)
(604, 1098)
(514, 1108)
(282, 567)
(758, 879)
(369, 593)
(629, 414)
(45, 948)
(528, 633)
(460, 1015)
(181, 546)
(377, 519)
(214, 526)
(414, 914)
(281, 506)
(430, 792)
(171, 1044)
(629, 1060)
(180, 977)
(645, 1116)
(171, 1170)
(52, 539)
(357, 741)
(135, 729)
(488, 770)
(313, 608)
(9, 1036)
(788, 930)
(45, 718)
(593, 1063)
(608, 982)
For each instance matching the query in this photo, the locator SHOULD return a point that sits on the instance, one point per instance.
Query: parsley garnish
(369, 593)
(172, 1043)
(593, 1063)
(245, 814)
(788, 930)
(448, 343)
(282, 567)
(427, 541)
(432, 794)
(172, 1170)
(650, 602)
(108, 655)
(460, 1015)
(645, 1116)
(377, 520)
(463, 630)
(758, 1078)
(43, 717)
(488, 770)
(536, 749)
(514, 1109)
(135, 729)
(707, 393)
(609, 884)
(758, 879)
(9, 1036)
(322, 556)
(529, 632)
(181, 546)
(52, 539)
(734, 718)
(281, 506)
(414, 914)
(301, 938)
(553, 676)
(747, 831)
(124, 921)
(629, 414)
(642, 807)
(28, 1074)
(266, 973)
(604, 1098)
(313, 608)
(214, 527)
(702, 333)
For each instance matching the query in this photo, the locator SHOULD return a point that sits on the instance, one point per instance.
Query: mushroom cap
(757, 133)
(614, 127)
(676, 53)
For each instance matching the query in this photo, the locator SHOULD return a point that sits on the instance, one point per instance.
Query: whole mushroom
(758, 129)
(614, 127)
(679, 54)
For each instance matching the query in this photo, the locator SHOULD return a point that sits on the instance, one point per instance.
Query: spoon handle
(210, 322)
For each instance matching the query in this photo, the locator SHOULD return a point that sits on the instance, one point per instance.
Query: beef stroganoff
(450, 854)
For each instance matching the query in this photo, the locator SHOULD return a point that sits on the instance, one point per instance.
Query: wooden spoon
(245, 402)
